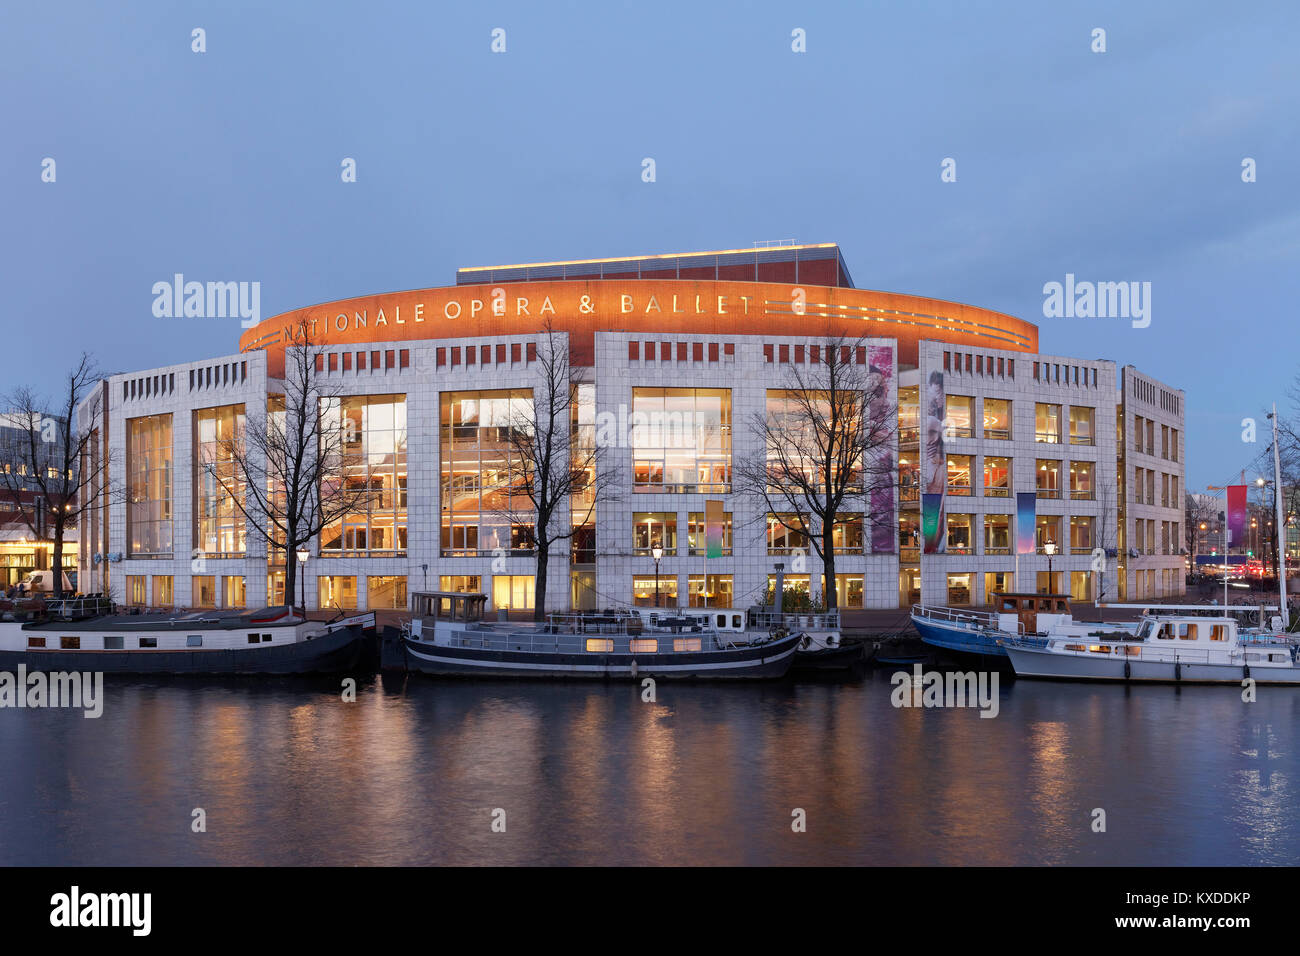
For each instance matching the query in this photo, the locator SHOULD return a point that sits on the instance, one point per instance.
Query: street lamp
(657, 552)
(303, 555)
(1049, 548)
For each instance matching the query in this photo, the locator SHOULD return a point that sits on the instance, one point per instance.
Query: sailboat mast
(1281, 528)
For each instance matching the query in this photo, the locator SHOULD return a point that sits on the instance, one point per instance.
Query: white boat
(1167, 647)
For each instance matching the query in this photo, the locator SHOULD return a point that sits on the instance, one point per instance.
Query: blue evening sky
(225, 165)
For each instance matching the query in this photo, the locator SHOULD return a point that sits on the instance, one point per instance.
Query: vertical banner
(1236, 516)
(934, 466)
(713, 521)
(879, 382)
(1026, 515)
(931, 523)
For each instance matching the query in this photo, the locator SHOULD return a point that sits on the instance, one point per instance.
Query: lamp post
(303, 555)
(1049, 548)
(657, 552)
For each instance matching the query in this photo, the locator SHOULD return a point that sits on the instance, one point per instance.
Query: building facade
(1006, 463)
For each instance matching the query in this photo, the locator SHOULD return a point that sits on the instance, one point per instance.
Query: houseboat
(89, 634)
(1174, 647)
(448, 636)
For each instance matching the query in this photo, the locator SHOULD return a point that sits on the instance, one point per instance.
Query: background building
(1007, 443)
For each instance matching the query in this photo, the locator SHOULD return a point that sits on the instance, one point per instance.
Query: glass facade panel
(218, 481)
(149, 486)
(372, 431)
(479, 512)
(681, 440)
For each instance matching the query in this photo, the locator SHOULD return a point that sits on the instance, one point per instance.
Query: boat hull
(960, 640)
(763, 661)
(336, 651)
(1033, 663)
(838, 658)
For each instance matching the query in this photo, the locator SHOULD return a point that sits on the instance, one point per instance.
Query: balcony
(1049, 437)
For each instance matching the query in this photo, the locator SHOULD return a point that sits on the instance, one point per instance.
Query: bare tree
(54, 477)
(294, 469)
(825, 446)
(1107, 532)
(555, 471)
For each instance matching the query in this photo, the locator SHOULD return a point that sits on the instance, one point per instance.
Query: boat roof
(207, 619)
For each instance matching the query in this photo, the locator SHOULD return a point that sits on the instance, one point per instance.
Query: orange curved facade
(582, 308)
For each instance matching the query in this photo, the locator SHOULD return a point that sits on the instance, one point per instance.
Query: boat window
(1187, 632)
(148, 642)
(113, 643)
(70, 643)
(1100, 648)
(1144, 631)
(1132, 650)
(737, 621)
(1008, 605)
(35, 642)
(194, 640)
(266, 638)
(1253, 657)
(686, 644)
(253, 638)
(644, 645)
(1060, 605)
(1219, 632)
(600, 645)
(1075, 647)
(1165, 632)
(722, 621)
(1277, 657)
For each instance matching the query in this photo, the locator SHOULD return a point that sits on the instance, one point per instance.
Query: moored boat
(1178, 647)
(978, 634)
(268, 641)
(447, 636)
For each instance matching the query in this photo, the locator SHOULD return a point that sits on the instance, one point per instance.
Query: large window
(1047, 478)
(697, 531)
(709, 590)
(959, 533)
(959, 413)
(1047, 423)
(997, 477)
(782, 539)
(372, 432)
(644, 590)
(1081, 535)
(463, 583)
(997, 534)
(1081, 481)
(218, 481)
(997, 419)
(681, 440)
(149, 493)
(1082, 425)
(650, 528)
(337, 591)
(386, 592)
(479, 513)
(513, 591)
(959, 467)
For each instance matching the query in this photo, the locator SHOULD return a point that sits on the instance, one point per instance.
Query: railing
(954, 616)
(554, 638)
(795, 620)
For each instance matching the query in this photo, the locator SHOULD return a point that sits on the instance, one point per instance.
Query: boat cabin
(1035, 613)
(465, 607)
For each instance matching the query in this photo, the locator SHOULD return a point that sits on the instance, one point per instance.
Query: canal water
(417, 771)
